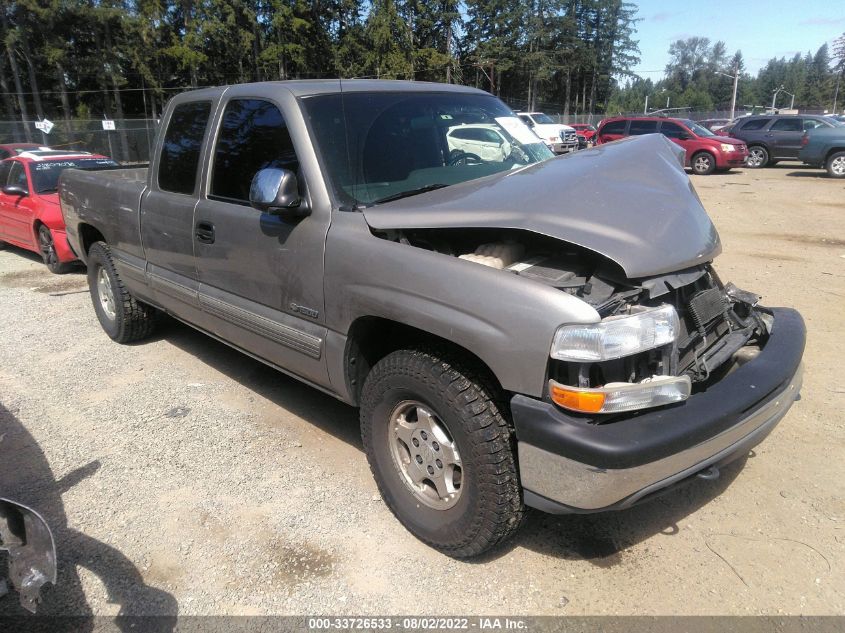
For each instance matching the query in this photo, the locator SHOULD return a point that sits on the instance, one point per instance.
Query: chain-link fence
(129, 142)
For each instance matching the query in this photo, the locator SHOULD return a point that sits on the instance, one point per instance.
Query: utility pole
(735, 77)
(645, 109)
(836, 92)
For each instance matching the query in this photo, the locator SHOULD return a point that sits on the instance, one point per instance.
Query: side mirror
(683, 136)
(15, 190)
(276, 191)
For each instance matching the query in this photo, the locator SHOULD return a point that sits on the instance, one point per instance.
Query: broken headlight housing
(617, 336)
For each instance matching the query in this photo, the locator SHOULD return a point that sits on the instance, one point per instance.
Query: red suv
(30, 216)
(706, 152)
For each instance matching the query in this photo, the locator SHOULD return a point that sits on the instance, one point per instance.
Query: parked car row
(705, 151)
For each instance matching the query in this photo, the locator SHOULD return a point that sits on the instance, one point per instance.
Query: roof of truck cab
(310, 87)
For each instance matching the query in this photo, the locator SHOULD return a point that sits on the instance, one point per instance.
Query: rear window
(755, 124)
(45, 176)
(180, 155)
(614, 127)
(642, 127)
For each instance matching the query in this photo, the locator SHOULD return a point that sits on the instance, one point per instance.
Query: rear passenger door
(167, 210)
(785, 137)
(261, 274)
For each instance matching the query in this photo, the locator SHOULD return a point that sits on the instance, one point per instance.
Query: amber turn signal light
(576, 400)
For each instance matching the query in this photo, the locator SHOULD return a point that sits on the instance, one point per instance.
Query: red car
(706, 152)
(30, 216)
(584, 129)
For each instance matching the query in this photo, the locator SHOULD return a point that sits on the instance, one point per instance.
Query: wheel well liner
(832, 151)
(372, 338)
(88, 235)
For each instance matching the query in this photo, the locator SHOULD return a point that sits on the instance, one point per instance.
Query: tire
(703, 164)
(758, 156)
(410, 392)
(47, 248)
(835, 165)
(122, 316)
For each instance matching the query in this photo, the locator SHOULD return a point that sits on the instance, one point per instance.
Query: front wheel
(441, 451)
(835, 165)
(47, 247)
(703, 164)
(122, 316)
(757, 157)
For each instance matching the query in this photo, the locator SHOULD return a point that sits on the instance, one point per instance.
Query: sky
(760, 29)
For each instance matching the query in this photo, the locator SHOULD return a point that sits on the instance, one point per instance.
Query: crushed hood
(630, 201)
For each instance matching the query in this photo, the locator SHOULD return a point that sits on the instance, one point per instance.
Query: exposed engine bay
(721, 326)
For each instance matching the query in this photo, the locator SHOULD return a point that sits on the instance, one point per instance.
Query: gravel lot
(181, 476)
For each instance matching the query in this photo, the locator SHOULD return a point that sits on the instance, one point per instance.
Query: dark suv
(775, 137)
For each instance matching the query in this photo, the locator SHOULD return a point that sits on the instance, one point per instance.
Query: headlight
(726, 147)
(616, 337)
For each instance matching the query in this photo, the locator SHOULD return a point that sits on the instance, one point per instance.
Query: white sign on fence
(107, 124)
(45, 126)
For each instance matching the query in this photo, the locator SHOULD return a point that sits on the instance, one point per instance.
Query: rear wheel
(122, 316)
(836, 165)
(47, 247)
(757, 157)
(703, 164)
(441, 451)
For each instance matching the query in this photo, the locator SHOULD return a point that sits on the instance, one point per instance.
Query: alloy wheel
(425, 455)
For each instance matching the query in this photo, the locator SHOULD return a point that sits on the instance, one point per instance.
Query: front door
(18, 210)
(784, 137)
(261, 275)
(678, 135)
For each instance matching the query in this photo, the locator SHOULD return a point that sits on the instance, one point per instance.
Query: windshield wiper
(409, 193)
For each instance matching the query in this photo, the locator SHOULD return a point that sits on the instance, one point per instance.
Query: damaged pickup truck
(508, 343)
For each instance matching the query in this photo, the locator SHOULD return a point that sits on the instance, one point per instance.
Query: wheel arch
(88, 235)
(832, 151)
(371, 338)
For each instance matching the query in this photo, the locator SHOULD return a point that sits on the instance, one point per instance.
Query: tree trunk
(60, 77)
(33, 80)
(16, 76)
(256, 51)
(124, 143)
(8, 102)
(592, 93)
(567, 93)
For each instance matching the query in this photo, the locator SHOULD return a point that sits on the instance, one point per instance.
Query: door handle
(205, 232)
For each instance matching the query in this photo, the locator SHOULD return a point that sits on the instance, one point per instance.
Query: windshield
(380, 146)
(698, 130)
(45, 175)
(542, 119)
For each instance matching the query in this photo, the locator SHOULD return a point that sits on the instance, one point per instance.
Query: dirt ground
(182, 477)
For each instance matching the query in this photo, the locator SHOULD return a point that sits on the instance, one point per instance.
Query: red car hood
(726, 139)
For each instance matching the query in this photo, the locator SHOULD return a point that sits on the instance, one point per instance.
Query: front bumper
(568, 464)
(562, 148)
(63, 250)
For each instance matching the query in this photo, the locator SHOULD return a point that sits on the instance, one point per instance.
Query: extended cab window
(180, 155)
(642, 127)
(253, 135)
